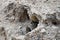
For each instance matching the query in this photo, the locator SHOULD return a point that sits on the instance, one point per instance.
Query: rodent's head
(34, 17)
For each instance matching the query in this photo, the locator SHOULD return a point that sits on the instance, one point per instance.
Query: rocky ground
(29, 19)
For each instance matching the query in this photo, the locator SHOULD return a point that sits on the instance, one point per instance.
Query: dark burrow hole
(34, 24)
(22, 14)
(24, 17)
(28, 29)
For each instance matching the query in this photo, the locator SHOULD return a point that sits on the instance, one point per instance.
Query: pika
(34, 21)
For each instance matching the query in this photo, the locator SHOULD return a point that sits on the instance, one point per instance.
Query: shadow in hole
(34, 24)
(28, 29)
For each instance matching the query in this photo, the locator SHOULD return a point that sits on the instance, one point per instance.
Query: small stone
(43, 30)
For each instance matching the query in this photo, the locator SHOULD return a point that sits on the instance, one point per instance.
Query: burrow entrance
(20, 14)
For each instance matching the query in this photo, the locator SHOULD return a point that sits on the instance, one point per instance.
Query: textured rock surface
(29, 19)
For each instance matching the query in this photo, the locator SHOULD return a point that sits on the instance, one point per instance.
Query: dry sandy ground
(40, 7)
